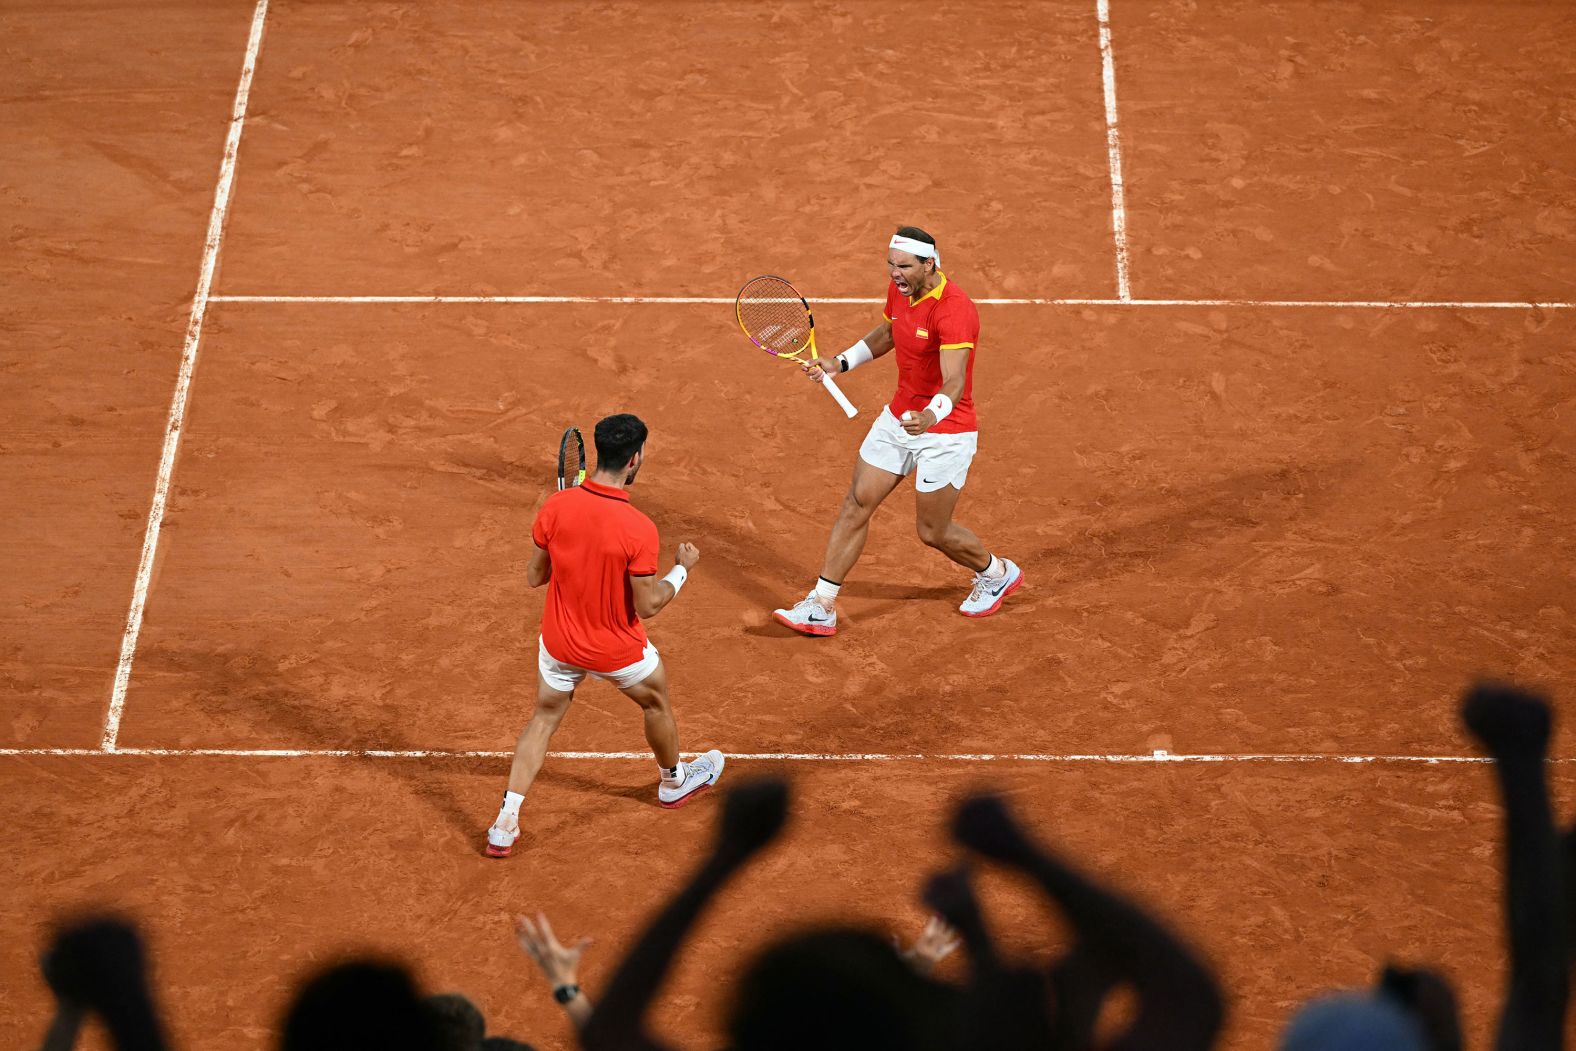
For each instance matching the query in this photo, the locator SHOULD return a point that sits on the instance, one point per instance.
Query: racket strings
(772, 314)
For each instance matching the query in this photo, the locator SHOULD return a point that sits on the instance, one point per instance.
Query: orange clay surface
(1246, 529)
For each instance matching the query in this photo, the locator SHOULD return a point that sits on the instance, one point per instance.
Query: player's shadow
(253, 688)
(750, 560)
(1156, 528)
(896, 594)
(564, 775)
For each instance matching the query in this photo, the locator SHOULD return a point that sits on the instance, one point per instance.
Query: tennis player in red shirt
(598, 557)
(927, 430)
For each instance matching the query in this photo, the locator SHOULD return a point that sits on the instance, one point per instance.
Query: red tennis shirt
(944, 318)
(597, 541)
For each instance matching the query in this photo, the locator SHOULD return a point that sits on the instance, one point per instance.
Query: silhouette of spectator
(361, 1003)
(1116, 942)
(1417, 1008)
(1514, 726)
(457, 1024)
(97, 966)
(845, 988)
(1408, 1010)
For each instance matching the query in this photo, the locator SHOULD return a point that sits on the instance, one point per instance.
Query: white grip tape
(838, 396)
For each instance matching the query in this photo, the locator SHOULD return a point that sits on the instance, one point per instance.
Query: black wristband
(565, 993)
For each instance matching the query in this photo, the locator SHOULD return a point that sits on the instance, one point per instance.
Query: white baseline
(1157, 756)
(1312, 304)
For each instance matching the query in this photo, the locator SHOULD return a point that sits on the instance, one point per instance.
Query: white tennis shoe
(986, 594)
(695, 777)
(809, 617)
(500, 841)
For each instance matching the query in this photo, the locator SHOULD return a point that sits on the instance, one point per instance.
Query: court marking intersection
(204, 297)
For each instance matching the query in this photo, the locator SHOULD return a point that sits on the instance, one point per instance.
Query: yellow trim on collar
(934, 293)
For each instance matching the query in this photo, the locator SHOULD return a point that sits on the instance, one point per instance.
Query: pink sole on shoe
(1016, 584)
(685, 799)
(805, 629)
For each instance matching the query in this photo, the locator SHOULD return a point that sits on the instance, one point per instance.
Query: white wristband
(941, 405)
(855, 356)
(677, 576)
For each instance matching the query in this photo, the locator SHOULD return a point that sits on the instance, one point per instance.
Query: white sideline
(1113, 147)
(1349, 304)
(177, 417)
(1157, 756)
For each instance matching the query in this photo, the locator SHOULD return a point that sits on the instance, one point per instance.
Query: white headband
(917, 248)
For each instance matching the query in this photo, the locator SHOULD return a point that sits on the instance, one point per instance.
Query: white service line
(1348, 304)
(1157, 756)
(1113, 147)
(177, 418)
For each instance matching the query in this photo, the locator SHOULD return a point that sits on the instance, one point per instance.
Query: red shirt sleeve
(643, 548)
(890, 310)
(542, 529)
(958, 325)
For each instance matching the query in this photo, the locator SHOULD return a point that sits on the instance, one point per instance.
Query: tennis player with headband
(928, 427)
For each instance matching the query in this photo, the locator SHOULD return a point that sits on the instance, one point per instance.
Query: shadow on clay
(745, 555)
(563, 775)
(252, 686)
(1160, 527)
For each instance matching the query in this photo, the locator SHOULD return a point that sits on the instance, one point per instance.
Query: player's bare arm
(877, 341)
(954, 371)
(653, 593)
(540, 569)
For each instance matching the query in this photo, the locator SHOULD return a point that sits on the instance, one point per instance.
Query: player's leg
(883, 462)
(646, 683)
(816, 613)
(530, 750)
(870, 486)
(662, 731)
(942, 468)
(933, 521)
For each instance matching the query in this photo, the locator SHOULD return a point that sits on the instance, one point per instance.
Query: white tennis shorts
(935, 460)
(565, 677)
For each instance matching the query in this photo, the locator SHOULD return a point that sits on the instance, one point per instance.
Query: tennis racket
(571, 459)
(778, 320)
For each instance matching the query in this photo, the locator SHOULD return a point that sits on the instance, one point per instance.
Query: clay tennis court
(1277, 393)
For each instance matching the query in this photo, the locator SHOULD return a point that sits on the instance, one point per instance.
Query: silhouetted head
(837, 988)
(1353, 1022)
(363, 1003)
(457, 1024)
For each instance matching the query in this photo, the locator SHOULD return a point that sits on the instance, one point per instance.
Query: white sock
(511, 805)
(676, 774)
(827, 591)
(997, 568)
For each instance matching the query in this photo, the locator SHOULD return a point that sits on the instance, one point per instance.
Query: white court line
(704, 300)
(1348, 304)
(1158, 756)
(177, 418)
(1113, 147)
